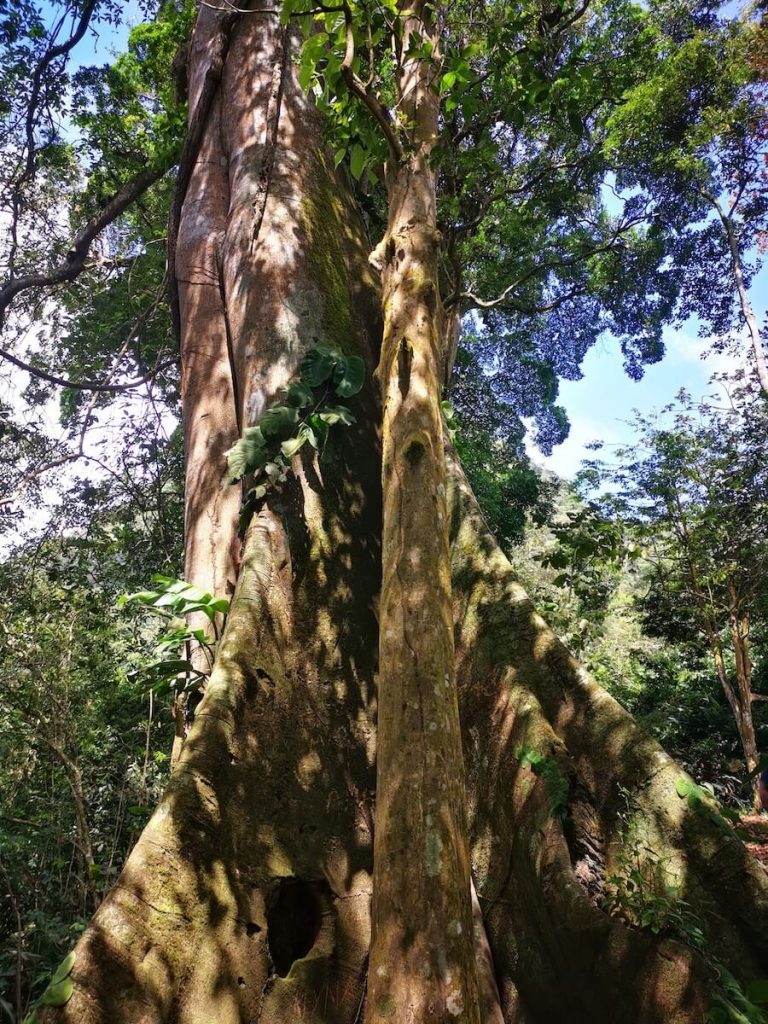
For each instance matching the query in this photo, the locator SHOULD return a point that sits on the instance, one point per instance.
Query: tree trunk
(743, 671)
(740, 696)
(750, 320)
(422, 960)
(247, 898)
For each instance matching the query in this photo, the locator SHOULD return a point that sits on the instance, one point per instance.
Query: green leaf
(349, 376)
(306, 72)
(319, 428)
(757, 991)
(174, 667)
(298, 395)
(448, 81)
(58, 994)
(317, 366)
(293, 445)
(279, 420)
(684, 786)
(248, 454)
(64, 969)
(336, 414)
(575, 122)
(357, 160)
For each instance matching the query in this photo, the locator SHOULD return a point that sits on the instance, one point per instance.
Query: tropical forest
(383, 512)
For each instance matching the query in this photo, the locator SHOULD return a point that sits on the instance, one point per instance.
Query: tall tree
(698, 491)
(248, 895)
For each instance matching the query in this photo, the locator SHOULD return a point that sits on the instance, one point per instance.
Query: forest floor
(756, 828)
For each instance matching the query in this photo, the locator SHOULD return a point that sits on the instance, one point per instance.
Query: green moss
(321, 216)
(385, 1006)
(554, 779)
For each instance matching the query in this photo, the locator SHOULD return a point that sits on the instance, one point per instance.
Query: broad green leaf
(310, 435)
(247, 455)
(757, 991)
(349, 376)
(58, 994)
(306, 72)
(357, 161)
(317, 366)
(684, 786)
(319, 428)
(298, 394)
(279, 420)
(448, 81)
(175, 667)
(293, 445)
(337, 414)
(64, 968)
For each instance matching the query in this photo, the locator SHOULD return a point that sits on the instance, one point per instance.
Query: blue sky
(98, 46)
(600, 404)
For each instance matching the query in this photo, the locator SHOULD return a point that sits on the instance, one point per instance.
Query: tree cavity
(294, 917)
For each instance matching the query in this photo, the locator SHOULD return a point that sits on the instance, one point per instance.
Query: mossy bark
(422, 961)
(248, 895)
(544, 743)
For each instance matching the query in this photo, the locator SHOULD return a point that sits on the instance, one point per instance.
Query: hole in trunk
(294, 917)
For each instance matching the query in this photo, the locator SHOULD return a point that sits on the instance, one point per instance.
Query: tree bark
(422, 960)
(247, 897)
(743, 671)
(740, 696)
(741, 290)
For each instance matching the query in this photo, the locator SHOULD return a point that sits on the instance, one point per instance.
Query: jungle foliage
(597, 163)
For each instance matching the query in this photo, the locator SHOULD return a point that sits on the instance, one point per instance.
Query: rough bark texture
(247, 897)
(422, 962)
(541, 741)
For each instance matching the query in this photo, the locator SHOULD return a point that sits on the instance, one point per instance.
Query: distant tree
(697, 494)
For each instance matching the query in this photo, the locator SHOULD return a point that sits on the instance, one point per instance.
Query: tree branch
(28, 171)
(357, 87)
(85, 385)
(74, 262)
(563, 264)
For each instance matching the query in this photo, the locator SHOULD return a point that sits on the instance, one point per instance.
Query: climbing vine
(174, 600)
(304, 417)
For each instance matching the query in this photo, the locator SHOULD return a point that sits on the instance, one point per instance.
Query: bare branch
(74, 262)
(85, 385)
